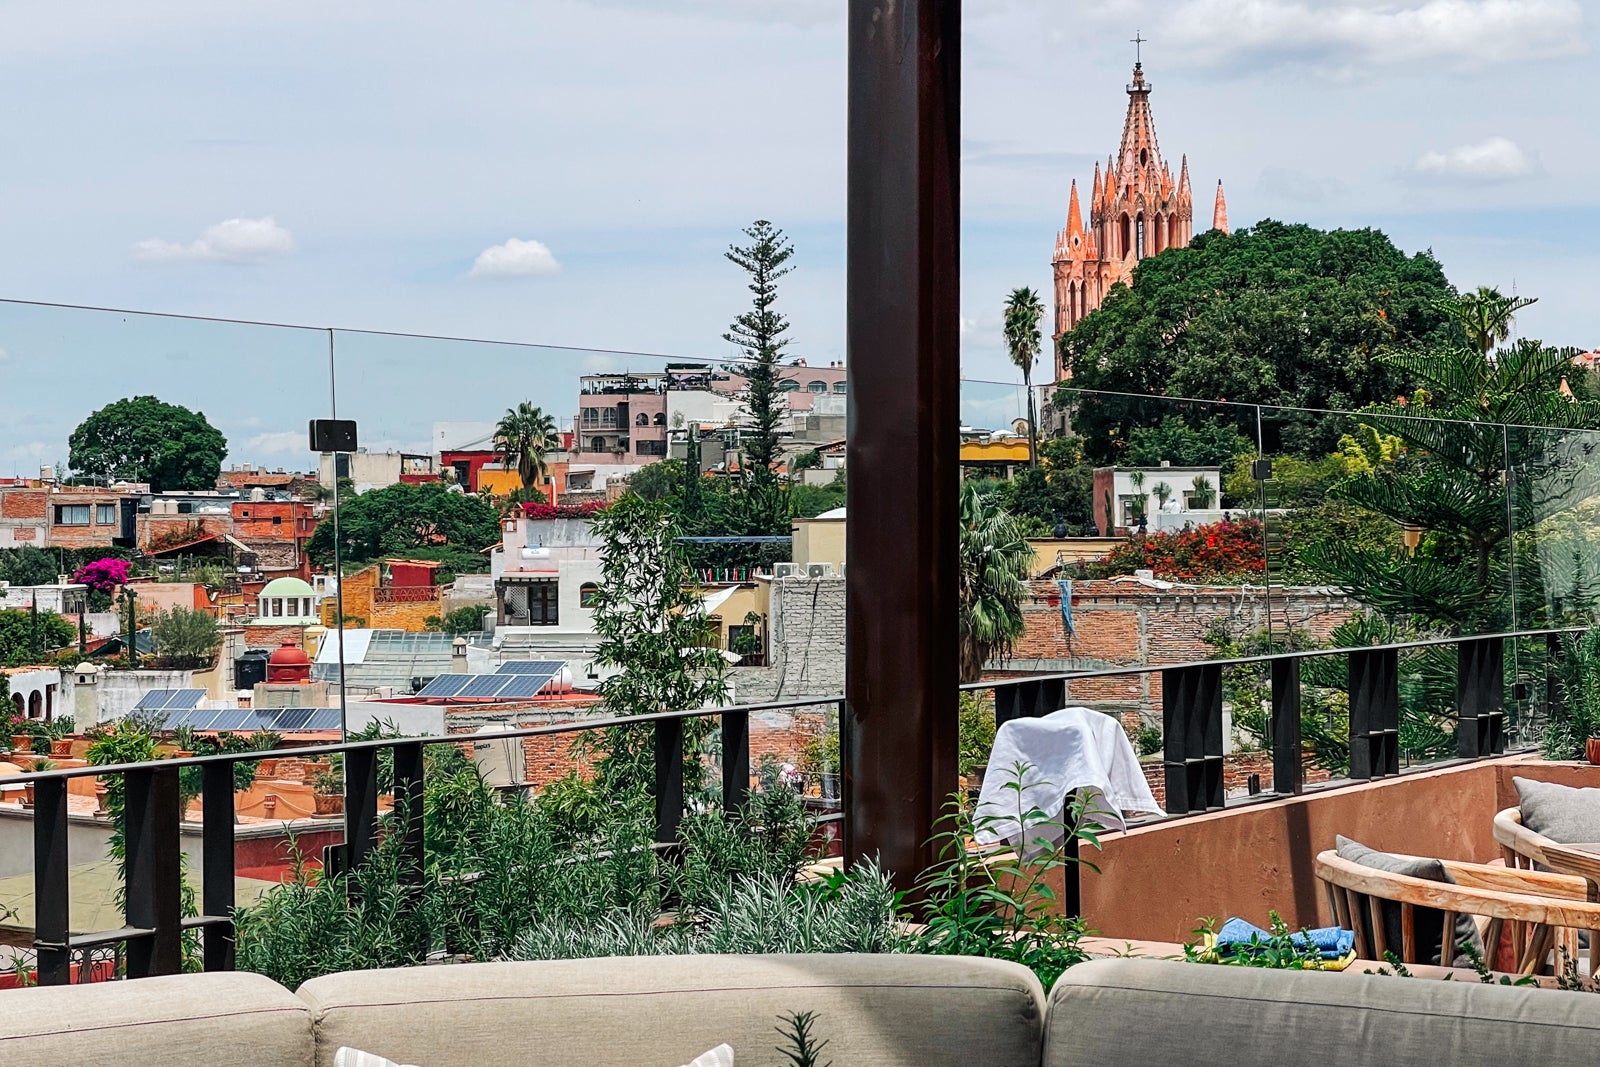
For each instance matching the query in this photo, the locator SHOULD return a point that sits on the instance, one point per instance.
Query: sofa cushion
(1428, 922)
(1131, 1011)
(197, 1020)
(1560, 812)
(875, 1011)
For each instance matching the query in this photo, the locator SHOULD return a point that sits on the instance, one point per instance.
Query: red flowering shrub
(103, 575)
(545, 510)
(1220, 551)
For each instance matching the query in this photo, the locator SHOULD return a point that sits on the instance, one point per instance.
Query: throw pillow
(721, 1056)
(1428, 923)
(1565, 815)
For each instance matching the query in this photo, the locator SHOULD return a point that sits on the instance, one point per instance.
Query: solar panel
(154, 700)
(445, 685)
(324, 719)
(531, 666)
(186, 698)
(523, 687)
(287, 720)
(483, 685)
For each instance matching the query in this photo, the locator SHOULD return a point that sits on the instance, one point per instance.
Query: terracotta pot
(267, 768)
(1591, 749)
(328, 805)
(22, 742)
(100, 799)
(61, 748)
(27, 795)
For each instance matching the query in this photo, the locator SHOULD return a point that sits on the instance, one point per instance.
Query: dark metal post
(1191, 719)
(408, 775)
(668, 779)
(1288, 767)
(902, 326)
(217, 871)
(1029, 700)
(1480, 696)
(1374, 713)
(51, 918)
(154, 881)
(735, 760)
(360, 805)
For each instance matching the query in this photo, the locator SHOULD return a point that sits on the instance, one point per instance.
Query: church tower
(1136, 209)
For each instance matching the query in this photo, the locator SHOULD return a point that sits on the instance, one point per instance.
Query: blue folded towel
(1330, 941)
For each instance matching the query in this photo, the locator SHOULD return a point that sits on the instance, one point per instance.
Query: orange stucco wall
(1156, 882)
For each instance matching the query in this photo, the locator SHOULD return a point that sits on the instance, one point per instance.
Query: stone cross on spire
(1138, 51)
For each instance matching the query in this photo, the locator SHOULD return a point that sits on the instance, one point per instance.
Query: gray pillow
(1565, 815)
(1428, 922)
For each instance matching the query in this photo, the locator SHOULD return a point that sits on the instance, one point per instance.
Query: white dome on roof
(287, 587)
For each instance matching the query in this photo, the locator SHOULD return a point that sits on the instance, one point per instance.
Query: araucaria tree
(1489, 458)
(1023, 311)
(759, 335)
(143, 439)
(651, 626)
(521, 439)
(995, 561)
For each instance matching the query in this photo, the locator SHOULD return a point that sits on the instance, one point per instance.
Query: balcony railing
(406, 594)
(1191, 761)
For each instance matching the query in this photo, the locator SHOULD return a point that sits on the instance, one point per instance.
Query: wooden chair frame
(1520, 847)
(1541, 910)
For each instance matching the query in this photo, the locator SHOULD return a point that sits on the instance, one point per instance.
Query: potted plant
(27, 789)
(327, 792)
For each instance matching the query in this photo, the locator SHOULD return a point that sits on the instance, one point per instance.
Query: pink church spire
(1219, 214)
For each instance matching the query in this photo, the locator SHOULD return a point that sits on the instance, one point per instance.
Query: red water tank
(289, 664)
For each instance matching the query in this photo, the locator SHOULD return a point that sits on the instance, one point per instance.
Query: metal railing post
(1480, 697)
(1374, 713)
(1191, 716)
(154, 880)
(1288, 765)
(408, 786)
(51, 918)
(1029, 700)
(217, 865)
(668, 779)
(735, 760)
(360, 805)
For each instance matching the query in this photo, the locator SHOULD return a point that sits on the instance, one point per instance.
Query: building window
(788, 385)
(650, 448)
(277, 520)
(597, 444)
(1138, 237)
(839, 387)
(588, 593)
(816, 387)
(105, 514)
(661, 418)
(591, 416)
(608, 417)
(72, 514)
(542, 606)
(641, 419)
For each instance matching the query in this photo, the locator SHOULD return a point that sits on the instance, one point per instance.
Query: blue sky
(569, 173)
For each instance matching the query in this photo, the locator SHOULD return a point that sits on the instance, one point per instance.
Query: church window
(1125, 243)
(1138, 250)
(1144, 156)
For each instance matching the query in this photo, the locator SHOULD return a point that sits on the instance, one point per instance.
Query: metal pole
(898, 731)
(338, 557)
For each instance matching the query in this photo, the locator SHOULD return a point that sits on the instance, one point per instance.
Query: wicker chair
(1538, 911)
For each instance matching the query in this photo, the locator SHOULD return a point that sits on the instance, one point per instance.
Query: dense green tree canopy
(24, 639)
(1274, 314)
(143, 439)
(403, 518)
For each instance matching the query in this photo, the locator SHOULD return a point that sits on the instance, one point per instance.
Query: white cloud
(515, 258)
(278, 443)
(4, 355)
(229, 241)
(1341, 36)
(1494, 160)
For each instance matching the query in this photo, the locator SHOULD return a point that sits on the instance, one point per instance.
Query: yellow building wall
(498, 482)
(819, 541)
(1047, 551)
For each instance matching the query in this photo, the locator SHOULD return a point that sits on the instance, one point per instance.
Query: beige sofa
(876, 1011)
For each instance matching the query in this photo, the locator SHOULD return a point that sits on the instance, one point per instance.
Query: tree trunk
(1033, 421)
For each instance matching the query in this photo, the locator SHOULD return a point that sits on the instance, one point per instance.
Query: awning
(713, 601)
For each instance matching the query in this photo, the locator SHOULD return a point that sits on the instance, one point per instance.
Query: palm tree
(1486, 315)
(524, 434)
(1023, 312)
(995, 563)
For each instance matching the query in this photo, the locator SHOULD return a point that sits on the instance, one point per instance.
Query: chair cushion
(1428, 922)
(1560, 812)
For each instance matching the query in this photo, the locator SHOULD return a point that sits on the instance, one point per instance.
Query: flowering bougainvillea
(543, 510)
(1219, 551)
(103, 575)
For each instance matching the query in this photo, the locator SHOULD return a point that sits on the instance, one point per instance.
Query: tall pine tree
(759, 335)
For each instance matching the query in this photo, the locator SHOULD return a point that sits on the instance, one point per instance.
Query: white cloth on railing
(1074, 750)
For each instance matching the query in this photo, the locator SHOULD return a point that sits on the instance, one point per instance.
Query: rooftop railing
(1191, 766)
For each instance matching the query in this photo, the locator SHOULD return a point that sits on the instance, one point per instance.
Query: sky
(569, 172)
